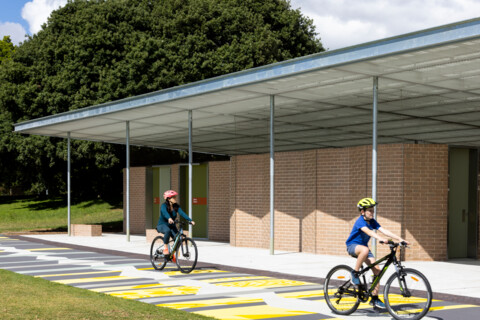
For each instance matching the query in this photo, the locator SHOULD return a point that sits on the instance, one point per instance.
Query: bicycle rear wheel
(187, 255)
(340, 294)
(408, 296)
(156, 253)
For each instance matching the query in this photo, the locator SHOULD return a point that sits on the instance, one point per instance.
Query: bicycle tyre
(340, 294)
(412, 304)
(157, 259)
(186, 255)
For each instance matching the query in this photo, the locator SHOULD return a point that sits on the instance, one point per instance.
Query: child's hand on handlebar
(170, 220)
(192, 223)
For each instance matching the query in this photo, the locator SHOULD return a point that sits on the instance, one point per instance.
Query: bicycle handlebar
(178, 221)
(395, 244)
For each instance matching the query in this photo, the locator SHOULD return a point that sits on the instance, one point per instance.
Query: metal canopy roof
(429, 91)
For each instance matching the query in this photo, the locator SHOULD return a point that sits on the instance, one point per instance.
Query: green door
(462, 203)
(161, 183)
(199, 195)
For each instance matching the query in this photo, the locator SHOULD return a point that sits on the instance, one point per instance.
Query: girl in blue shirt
(168, 213)
(357, 243)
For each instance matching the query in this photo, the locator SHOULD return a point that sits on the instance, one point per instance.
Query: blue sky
(340, 23)
(11, 11)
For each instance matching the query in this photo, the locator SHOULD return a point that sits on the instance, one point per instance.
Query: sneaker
(377, 303)
(355, 279)
(165, 251)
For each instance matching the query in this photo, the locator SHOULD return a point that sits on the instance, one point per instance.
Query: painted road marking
(74, 274)
(209, 303)
(47, 249)
(179, 273)
(157, 292)
(230, 279)
(118, 288)
(252, 312)
(85, 280)
(271, 283)
(249, 298)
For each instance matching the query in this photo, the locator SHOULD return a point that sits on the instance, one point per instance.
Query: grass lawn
(27, 215)
(25, 297)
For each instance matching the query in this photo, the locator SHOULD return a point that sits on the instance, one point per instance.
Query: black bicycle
(407, 293)
(183, 252)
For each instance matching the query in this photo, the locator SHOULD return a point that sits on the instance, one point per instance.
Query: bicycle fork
(401, 281)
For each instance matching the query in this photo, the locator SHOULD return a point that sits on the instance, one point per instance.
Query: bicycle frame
(176, 242)
(390, 258)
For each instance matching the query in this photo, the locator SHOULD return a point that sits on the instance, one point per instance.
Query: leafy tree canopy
(93, 51)
(6, 48)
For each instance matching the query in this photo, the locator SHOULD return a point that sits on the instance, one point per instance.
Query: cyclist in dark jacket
(168, 213)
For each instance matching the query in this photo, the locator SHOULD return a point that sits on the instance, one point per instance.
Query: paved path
(224, 293)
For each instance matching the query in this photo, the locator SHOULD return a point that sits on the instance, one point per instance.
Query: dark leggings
(168, 231)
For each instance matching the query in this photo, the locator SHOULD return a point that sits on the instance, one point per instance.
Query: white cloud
(36, 12)
(342, 23)
(15, 30)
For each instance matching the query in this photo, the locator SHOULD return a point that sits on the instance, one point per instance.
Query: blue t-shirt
(357, 236)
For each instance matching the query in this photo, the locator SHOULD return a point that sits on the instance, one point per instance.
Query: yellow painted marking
(47, 249)
(99, 279)
(118, 288)
(439, 308)
(146, 269)
(234, 278)
(176, 273)
(73, 274)
(264, 283)
(253, 312)
(4, 238)
(158, 292)
(396, 299)
(209, 303)
(301, 294)
(458, 306)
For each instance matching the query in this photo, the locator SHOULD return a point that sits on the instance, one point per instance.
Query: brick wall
(316, 193)
(138, 200)
(251, 216)
(425, 200)
(219, 200)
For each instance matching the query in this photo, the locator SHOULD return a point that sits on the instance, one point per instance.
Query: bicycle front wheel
(408, 295)
(187, 255)
(156, 254)
(340, 294)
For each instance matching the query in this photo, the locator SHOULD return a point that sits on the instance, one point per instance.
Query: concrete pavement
(455, 277)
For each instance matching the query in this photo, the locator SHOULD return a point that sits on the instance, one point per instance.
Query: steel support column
(374, 154)
(68, 185)
(272, 174)
(190, 172)
(127, 197)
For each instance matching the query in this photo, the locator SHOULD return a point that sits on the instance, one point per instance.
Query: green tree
(90, 52)
(6, 48)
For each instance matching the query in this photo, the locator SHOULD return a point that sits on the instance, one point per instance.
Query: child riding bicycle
(168, 213)
(357, 243)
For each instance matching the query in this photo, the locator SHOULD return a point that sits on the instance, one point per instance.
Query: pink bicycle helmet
(169, 193)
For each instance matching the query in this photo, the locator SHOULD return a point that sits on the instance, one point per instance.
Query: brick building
(316, 192)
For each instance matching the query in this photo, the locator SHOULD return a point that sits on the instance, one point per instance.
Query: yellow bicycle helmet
(366, 203)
